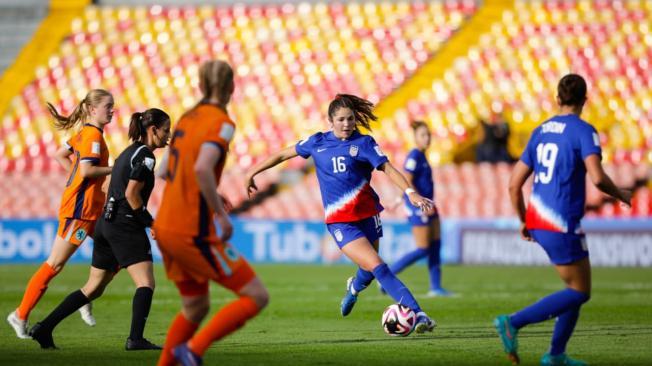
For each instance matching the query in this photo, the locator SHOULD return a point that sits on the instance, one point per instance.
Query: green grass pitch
(303, 326)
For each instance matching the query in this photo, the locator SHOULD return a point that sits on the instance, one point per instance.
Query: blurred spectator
(492, 145)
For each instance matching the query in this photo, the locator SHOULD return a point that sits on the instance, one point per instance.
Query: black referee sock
(68, 306)
(140, 311)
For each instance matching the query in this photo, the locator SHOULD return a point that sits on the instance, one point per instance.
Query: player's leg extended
(421, 234)
(434, 260)
(253, 297)
(578, 279)
(576, 276)
(362, 253)
(98, 279)
(142, 273)
(356, 284)
(38, 284)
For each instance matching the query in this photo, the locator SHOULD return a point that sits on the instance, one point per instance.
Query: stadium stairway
(469, 34)
(45, 41)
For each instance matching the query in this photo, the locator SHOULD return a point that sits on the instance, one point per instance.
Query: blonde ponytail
(81, 111)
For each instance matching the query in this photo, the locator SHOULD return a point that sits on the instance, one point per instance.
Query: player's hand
(152, 233)
(251, 186)
(225, 226)
(525, 233)
(626, 197)
(423, 203)
(228, 206)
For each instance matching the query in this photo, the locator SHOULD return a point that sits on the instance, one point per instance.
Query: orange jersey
(83, 197)
(183, 208)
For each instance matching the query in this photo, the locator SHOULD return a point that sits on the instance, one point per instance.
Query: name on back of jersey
(553, 127)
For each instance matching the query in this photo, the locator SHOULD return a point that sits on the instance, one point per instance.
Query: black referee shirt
(136, 162)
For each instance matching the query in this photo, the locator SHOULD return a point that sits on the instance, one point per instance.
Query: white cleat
(424, 323)
(19, 325)
(87, 315)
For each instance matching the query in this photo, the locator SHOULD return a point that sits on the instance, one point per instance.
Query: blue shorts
(416, 217)
(562, 248)
(346, 232)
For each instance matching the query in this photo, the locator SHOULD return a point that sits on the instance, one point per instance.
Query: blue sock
(563, 329)
(362, 279)
(395, 288)
(434, 261)
(407, 260)
(549, 307)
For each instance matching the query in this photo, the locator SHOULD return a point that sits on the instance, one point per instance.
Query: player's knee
(371, 265)
(195, 308)
(93, 290)
(56, 265)
(261, 297)
(197, 312)
(149, 283)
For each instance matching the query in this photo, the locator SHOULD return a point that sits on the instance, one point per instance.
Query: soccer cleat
(140, 345)
(560, 360)
(507, 334)
(424, 323)
(19, 325)
(185, 356)
(440, 292)
(42, 336)
(349, 298)
(87, 315)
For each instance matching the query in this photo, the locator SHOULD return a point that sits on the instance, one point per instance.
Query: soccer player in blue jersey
(345, 159)
(425, 224)
(560, 153)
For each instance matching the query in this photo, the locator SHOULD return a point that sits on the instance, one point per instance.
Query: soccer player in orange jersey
(82, 199)
(192, 252)
(120, 239)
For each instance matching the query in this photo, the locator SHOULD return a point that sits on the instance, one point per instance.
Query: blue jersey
(556, 153)
(344, 170)
(417, 164)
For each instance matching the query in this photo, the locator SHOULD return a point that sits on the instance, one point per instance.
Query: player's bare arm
(602, 180)
(209, 156)
(275, 159)
(520, 173)
(132, 194)
(399, 180)
(62, 156)
(88, 170)
(162, 170)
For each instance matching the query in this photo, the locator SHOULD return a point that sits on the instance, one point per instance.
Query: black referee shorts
(120, 243)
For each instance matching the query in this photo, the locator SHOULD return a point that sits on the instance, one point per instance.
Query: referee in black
(120, 239)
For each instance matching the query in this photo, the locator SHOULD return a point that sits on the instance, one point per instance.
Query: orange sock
(35, 289)
(227, 320)
(180, 331)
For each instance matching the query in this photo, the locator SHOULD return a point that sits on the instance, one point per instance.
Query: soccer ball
(398, 320)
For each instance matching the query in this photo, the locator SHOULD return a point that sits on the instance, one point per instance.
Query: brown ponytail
(362, 109)
(141, 121)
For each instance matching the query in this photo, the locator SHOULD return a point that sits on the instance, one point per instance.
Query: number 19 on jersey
(546, 156)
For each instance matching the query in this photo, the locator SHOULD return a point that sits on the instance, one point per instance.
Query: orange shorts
(75, 231)
(190, 259)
